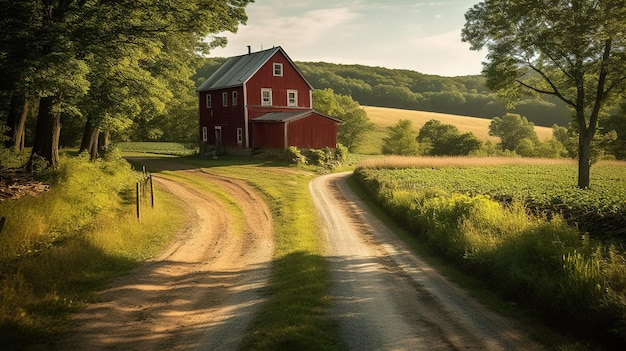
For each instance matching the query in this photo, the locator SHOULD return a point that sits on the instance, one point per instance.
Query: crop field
(547, 183)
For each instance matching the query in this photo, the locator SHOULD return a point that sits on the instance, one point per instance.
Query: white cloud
(409, 34)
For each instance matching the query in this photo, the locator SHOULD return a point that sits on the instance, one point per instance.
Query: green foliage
(355, 123)
(540, 262)
(295, 156)
(401, 140)
(512, 129)
(445, 139)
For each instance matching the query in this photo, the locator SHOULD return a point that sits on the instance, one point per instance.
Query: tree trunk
(584, 158)
(16, 121)
(46, 143)
(90, 141)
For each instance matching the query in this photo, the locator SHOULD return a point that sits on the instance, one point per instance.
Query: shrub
(295, 156)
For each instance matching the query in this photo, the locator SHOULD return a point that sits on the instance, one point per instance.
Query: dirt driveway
(386, 298)
(202, 292)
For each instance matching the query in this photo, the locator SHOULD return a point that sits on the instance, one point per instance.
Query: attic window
(235, 98)
(208, 100)
(224, 99)
(278, 69)
(266, 97)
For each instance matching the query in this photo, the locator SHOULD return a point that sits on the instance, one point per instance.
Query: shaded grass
(61, 247)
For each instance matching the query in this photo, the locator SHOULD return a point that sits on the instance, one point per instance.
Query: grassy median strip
(295, 316)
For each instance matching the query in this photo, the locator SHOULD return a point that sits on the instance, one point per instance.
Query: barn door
(218, 136)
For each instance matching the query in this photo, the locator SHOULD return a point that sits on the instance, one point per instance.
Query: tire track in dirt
(202, 292)
(387, 298)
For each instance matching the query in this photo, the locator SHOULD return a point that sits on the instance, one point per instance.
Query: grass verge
(59, 248)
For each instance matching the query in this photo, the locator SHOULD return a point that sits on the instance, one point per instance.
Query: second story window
(224, 99)
(292, 98)
(208, 100)
(278, 69)
(235, 102)
(266, 97)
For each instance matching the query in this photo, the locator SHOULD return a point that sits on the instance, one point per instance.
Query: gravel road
(387, 298)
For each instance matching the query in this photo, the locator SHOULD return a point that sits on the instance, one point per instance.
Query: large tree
(574, 50)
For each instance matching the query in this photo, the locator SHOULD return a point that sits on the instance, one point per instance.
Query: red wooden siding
(313, 131)
(269, 135)
(229, 118)
(291, 80)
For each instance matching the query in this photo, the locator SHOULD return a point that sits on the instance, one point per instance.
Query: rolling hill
(384, 117)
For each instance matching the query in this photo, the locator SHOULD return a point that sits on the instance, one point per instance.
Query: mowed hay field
(384, 117)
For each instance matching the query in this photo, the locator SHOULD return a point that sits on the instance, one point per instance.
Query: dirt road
(386, 298)
(202, 292)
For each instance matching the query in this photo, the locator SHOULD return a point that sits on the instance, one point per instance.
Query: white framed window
(292, 98)
(239, 136)
(266, 97)
(224, 99)
(278, 69)
(208, 100)
(205, 134)
(235, 102)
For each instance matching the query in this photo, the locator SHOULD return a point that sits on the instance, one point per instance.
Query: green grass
(163, 148)
(59, 248)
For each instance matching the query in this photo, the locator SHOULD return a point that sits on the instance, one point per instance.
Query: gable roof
(238, 70)
(289, 116)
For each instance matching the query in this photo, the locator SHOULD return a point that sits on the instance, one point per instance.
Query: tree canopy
(401, 140)
(107, 62)
(573, 50)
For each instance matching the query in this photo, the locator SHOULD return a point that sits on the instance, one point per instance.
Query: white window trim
(239, 136)
(205, 133)
(235, 98)
(208, 100)
(295, 103)
(224, 99)
(278, 65)
(269, 103)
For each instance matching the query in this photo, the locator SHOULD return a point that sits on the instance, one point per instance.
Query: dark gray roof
(238, 69)
(289, 116)
(282, 116)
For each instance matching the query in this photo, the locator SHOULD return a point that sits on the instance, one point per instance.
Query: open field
(384, 117)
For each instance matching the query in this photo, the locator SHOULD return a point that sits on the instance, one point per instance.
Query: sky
(419, 35)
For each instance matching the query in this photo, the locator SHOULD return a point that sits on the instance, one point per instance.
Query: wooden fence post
(138, 199)
(151, 192)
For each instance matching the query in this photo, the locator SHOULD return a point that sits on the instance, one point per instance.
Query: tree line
(103, 67)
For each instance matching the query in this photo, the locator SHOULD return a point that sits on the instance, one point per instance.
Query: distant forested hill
(405, 89)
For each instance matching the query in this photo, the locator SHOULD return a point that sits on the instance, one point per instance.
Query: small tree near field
(401, 140)
(512, 129)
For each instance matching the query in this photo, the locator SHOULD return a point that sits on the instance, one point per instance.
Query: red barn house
(261, 100)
